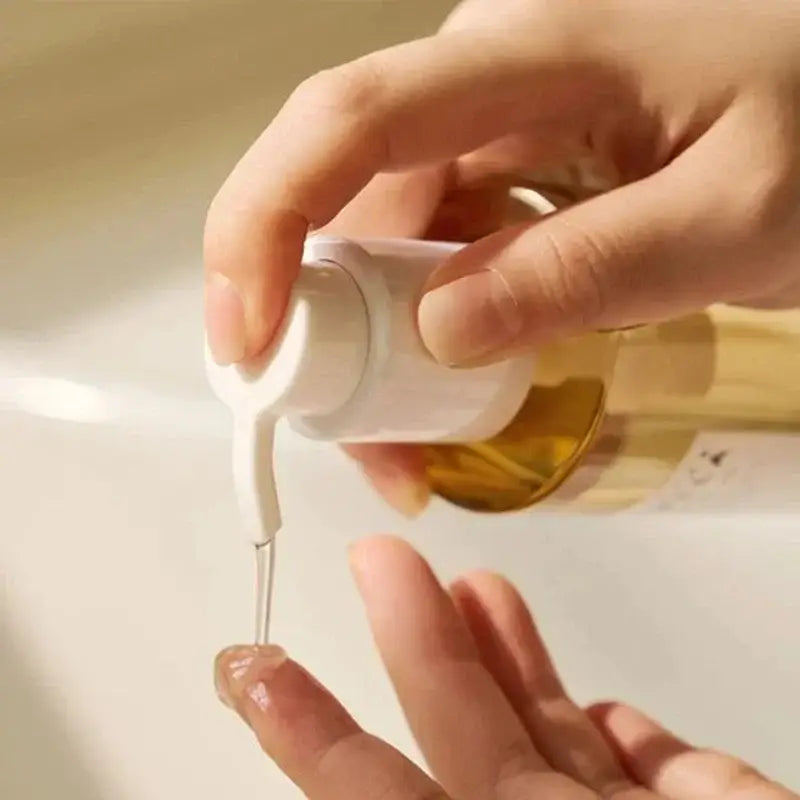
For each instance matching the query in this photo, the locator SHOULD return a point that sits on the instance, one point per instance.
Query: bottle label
(734, 472)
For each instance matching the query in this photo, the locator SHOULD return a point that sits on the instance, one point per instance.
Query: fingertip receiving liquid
(241, 671)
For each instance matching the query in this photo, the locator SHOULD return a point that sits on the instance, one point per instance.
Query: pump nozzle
(254, 478)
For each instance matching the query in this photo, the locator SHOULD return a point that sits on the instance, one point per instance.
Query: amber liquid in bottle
(610, 416)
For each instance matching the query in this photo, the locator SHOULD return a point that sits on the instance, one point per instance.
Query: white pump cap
(348, 364)
(312, 367)
(404, 394)
(316, 360)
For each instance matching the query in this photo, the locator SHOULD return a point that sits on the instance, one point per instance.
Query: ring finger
(515, 654)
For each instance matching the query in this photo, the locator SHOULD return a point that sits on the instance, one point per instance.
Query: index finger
(406, 106)
(310, 736)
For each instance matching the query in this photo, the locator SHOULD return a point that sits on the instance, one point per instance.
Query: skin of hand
(692, 108)
(483, 699)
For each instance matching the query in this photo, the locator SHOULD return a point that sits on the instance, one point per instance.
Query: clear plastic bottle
(701, 412)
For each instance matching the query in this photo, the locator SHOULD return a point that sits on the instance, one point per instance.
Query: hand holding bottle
(694, 109)
(484, 702)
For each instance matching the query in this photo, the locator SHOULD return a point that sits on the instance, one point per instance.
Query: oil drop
(265, 582)
(256, 492)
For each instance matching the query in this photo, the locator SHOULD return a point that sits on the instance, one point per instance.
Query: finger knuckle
(353, 98)
(575, 280)
(734, 775)
(766, 202)
(765, 197)
(519, 777)
(355, 89)
(513, 764)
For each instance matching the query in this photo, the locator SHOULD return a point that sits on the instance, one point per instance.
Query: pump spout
(254, 476)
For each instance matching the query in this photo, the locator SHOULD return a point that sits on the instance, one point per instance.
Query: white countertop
(122, 567)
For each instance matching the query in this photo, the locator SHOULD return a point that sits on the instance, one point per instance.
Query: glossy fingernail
(241, 672)
(474, 316)
(409, 494)
(225, 320)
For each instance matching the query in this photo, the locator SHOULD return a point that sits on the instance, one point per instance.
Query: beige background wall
(122, 569)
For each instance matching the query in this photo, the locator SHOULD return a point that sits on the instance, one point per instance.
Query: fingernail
(473, 316)
(406, 493)
(242, 671)
(225, 320)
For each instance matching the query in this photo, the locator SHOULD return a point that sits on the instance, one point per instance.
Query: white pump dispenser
(311, 369)
(348, 365)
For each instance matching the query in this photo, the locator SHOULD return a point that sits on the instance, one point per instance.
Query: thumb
(666, 245)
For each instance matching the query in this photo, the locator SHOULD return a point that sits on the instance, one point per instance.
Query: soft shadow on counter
(38, 759)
